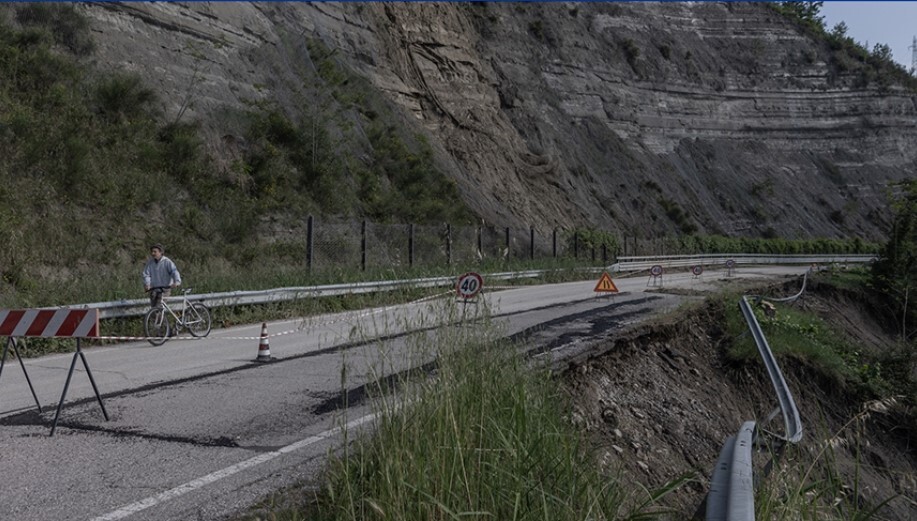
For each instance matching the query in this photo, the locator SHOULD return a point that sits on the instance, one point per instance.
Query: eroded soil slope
(660, 400)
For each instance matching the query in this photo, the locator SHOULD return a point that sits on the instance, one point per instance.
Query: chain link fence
(347, 244)
(340, 244)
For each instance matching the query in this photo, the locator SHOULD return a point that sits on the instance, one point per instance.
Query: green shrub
(123, 98)
(631, 52)
(66, 25)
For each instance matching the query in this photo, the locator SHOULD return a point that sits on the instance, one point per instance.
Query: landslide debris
(659, 401)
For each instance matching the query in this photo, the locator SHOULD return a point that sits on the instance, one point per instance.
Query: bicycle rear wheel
(156, 326)
(197, 319)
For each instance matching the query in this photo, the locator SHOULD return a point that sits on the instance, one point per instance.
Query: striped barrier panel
(51, 323)
(70, 323)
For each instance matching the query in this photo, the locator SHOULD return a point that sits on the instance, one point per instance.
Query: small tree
(895, 272)
(806, 12)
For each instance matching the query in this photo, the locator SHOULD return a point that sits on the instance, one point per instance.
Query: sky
(891, 23)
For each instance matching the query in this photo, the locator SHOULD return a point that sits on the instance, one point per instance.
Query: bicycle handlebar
(163, 288)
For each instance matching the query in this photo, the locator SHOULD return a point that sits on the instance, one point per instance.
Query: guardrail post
(554, 242)
(508, 244)
(411, 245)
(532, 243)
(363, 245)
(310, 238)
(448, 244)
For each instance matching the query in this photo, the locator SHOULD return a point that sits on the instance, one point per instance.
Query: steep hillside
(659, 401)
(647, 118)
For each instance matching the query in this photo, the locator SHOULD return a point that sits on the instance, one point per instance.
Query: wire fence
(350, 245)
(362, 245)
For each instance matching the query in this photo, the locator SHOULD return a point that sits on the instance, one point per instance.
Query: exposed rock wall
(601, 114)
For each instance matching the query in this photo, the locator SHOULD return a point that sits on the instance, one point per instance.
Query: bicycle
(195, 317)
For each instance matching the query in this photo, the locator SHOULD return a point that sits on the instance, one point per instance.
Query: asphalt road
(198, 430)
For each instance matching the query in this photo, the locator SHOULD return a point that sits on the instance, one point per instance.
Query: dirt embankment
(660, 400)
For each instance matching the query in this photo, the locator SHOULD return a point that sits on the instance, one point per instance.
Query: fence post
(448, 244)
(554, 242)
(363, 245)
(508, 253)
(411, 245)
(532, 243)
(310, 242)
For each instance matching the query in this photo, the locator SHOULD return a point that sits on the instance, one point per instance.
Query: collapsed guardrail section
(731, 496)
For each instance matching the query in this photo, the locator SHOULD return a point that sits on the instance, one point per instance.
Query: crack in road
(33, 418)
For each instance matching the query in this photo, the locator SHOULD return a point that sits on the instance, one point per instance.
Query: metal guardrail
(719, 259)
(791, 421)
(137, 307)
(732, 490)
(731, 496)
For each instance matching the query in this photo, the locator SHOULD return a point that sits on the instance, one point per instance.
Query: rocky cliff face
(646, 118)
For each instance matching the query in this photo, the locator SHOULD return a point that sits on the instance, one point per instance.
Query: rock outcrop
(644, 118)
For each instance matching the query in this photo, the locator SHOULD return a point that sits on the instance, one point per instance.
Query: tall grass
(484, 438)
(813, 485)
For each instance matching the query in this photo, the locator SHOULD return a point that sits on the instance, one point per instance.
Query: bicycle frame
(193, 316)
(179, 321)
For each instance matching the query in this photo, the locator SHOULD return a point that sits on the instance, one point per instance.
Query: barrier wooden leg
(63, 395)
(10, 341)
(91, 379)
(79, 354)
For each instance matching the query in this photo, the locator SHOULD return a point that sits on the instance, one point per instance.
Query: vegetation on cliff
(872, 66)
(91, 171)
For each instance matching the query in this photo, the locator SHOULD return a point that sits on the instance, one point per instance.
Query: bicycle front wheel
(197, 319)
(156, 326)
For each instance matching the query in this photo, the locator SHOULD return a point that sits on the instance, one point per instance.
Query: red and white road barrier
(71, 323)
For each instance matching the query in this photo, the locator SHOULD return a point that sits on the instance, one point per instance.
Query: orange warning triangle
(605, 284)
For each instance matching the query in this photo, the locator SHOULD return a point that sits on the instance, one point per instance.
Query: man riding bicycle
(159, 273)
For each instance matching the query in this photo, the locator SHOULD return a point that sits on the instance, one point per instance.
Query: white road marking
(203, 481)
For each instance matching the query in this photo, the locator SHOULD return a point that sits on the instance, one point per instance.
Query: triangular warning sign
(605, 284)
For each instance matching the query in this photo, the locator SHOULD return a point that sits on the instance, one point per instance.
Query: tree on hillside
(895, 272)
(806, 12)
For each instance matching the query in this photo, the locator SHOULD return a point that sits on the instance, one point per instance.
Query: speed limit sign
(697, 270)
(469, 285)
(656, 270)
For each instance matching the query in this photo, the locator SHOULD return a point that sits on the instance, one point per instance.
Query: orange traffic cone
(264, 347)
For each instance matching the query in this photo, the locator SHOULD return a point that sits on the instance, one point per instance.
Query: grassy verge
(801, 335)
(486, 437)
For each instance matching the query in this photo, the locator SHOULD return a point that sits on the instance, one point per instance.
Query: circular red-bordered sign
(697, 270)
(656, 270)
(730, 263)
(469, 285)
